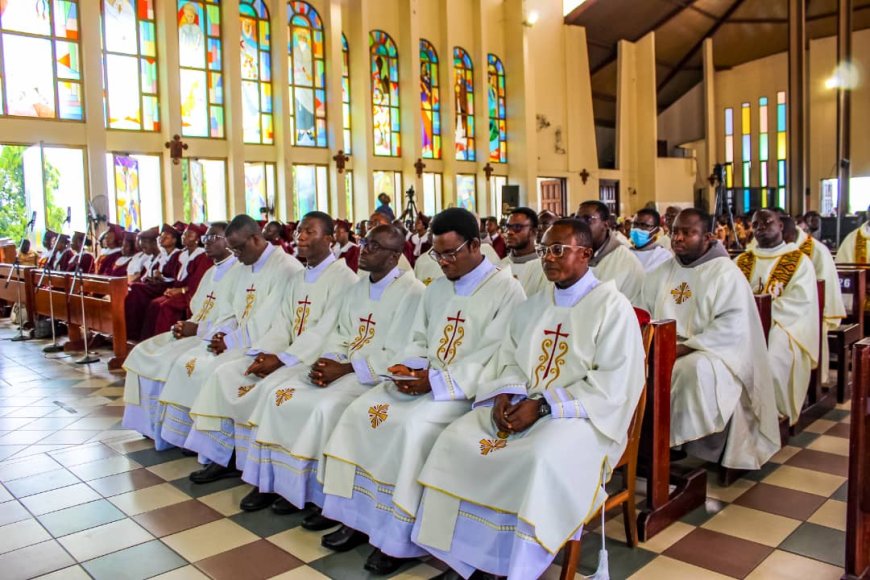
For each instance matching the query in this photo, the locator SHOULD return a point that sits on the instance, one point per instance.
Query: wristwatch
(544, 408)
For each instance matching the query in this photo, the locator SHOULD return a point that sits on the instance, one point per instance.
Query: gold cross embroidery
(245, 389)
(190, 366)
(378, 414)
(283, 395)
(681, 293)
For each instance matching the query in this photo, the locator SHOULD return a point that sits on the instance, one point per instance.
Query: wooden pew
(858, 503)
(52, 293)
(18, 283)
(104, 298)
(865, 267)
(663, 506)
(851, 330)
(819, 400)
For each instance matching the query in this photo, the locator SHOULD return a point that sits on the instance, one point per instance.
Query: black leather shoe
(256, 500)
(317, 522)
(214, 472)
(343, 539)
(188, 452)
(282, 507)
(449, 574)
(383, 564)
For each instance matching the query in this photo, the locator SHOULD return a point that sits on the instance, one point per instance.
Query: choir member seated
(110, 242)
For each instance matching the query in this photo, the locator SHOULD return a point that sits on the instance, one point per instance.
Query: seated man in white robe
(500, 496)
(259, 288)
(149, 362)
(644, 229)
(854, 247)
(376, 451)
(295, 419)
(721, 378)
(611, 259)
(521, 234)
(382, 219)
(783, 271)
(299, 328)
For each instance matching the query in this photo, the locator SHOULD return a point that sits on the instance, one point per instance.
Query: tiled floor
(82, 497)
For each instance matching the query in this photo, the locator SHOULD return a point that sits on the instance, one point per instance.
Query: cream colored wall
(675, 181)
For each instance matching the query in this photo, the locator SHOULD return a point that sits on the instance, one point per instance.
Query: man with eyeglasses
(500, 496)
(149, 363)
(780, 269)
(375, 452)
(301, 322)
(257, 295)
(296, 417)
(611, 259)
(722, 407)
(520, 237)
(381, 219)
(644, 229)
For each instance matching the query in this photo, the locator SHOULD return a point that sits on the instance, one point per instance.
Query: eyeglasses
(238, 249)
(643, 226)
(370, 246)
(517, 228)
(448, 257)
(588, 218)
(211, 238)
(558, 250)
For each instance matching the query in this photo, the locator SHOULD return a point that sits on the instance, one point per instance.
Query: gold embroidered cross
(283, 395)
(681, 293)
(190, 366)
(378, 414)
(245, 389)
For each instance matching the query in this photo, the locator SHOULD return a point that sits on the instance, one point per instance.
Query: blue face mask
(640, 238)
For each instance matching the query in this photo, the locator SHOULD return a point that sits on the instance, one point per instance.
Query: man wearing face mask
(644, 229)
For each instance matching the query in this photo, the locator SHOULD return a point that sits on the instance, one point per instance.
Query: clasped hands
(264, 365)
(419, 387)
(326, 371)
(514, 418)
(184, 328)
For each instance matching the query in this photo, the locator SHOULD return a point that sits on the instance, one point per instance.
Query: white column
(234, 128)
(95, 133)
(332, 22)
(170, 106)
(281, 117)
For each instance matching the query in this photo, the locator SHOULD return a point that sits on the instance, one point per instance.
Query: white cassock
(788, 276)
(835, 310)
(427, 270)
(299, 329)
(258, 293)
(506, 504)
(651, 256)
(293, 422)
(150, 361)
(379, 445)
(664, 241)
(529, 271)
(726, 381)
(854, 247)
(615, 261)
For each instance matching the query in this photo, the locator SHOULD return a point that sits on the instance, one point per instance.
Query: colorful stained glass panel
(199, 47)
(385, 94)
(307, 73)
(497, 110)
(463, 91)
(430, 101)
(465, 192)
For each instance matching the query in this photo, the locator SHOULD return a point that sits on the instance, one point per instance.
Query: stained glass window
(130, 65)
(256, 62)
(385, 94)
(431, 193)
(497, 112)
(763, 145)
(200, 57)
(204, 189)
(345, 93)
(729, 148)
(746, 133)
(307, 76)
(389, 182)
(463, 88)
(781, 132)
(311, 188)
(40, 66)
(466, 190)
(348, 193)
(430, 101)
(260, 190)
(496, 182)
(135, 192)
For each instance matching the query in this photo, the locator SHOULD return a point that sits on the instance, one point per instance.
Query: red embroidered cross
(368, 322)
(457, 320)
(557, 334)
(304, 303)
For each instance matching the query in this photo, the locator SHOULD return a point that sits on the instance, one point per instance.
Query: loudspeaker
(510, 196)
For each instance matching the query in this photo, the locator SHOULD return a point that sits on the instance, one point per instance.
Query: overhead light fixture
(845, 77)
(532, 17)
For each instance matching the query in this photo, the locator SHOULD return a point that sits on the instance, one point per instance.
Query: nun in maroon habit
(111, 241)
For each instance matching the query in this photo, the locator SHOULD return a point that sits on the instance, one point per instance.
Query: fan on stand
(98, 212)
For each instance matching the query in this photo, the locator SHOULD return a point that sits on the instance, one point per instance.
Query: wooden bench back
(858, 504)
(853, 287)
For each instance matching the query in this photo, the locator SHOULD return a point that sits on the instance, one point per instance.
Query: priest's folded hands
(515, 418)
(264, 365)
(326, 371)
(184, 328)
(414, 388)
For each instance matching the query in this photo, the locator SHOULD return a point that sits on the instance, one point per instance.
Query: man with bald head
(382, 219)
(780, 269)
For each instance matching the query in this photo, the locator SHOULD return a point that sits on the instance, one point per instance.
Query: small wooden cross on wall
(176, 149)
(487, 170)
(340, 160)
(419, 166)
(584, 175)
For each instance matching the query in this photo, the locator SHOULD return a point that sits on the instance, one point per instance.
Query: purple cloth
(146, 417)
(176, 425)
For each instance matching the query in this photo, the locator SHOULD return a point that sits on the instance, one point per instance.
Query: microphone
(68, 215)
(31, 223)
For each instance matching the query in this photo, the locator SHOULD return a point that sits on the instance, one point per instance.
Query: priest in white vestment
(646, 248)
(500, 496)
(521, 235)
(721, 381)
(611, 260)
(783, 271)
(258, 292)
(375, 453)
(149, 362)
(854, 247)
(299, 328)
(292, 423)
(427, 270)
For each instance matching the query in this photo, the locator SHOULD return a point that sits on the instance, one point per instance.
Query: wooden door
(553, 196)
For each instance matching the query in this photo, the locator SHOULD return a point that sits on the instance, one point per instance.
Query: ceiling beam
(709, 34)
(599, 96)
(578, 12)
(691, 6)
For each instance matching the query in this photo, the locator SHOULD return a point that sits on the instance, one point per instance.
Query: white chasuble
(385, 435)
(298, 332)
(257, 295)
(854, 247)
(529, 271)
(587, 361)
(651, 256)
(370, 332)
(427, 270)
(153, 358)
(615, 261)
(788, 276)
(726, 380)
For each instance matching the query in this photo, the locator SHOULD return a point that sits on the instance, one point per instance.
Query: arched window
(464, 94)
(256, 44)
(497, 116)
(430, 101)
(385, 94)
(200, 57)
(345, 93)
(307, 76)
(40, 68)
(130, 65)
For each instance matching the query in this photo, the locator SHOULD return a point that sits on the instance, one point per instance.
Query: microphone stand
(54, 346)
(87, 359)
(16, 268)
